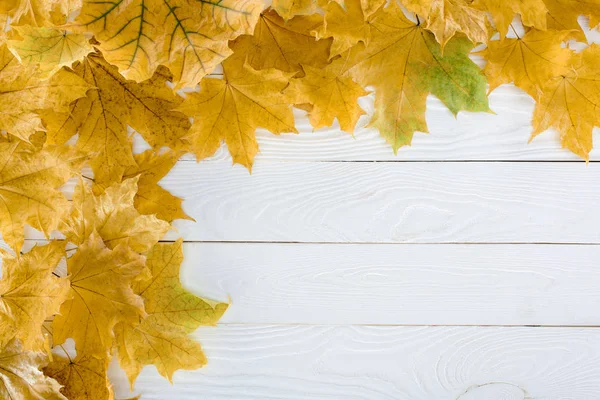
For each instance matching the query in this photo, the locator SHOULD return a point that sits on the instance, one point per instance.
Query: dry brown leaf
(101, 296)
(162, 337)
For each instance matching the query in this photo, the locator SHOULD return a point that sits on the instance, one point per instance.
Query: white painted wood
(469, 136)
(249, 362)
(395, 284)
(398, 284)
(389, 202)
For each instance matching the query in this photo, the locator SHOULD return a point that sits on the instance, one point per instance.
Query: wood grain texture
(398, 284)
(469, 136)
(358, 284)
(384, 363)
(389, 202)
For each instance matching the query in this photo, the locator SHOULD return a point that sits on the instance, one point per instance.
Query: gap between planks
(299, 324)
(363, 243)
(465, 161)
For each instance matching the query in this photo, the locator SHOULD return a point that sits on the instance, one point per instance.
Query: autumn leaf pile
(78, 78)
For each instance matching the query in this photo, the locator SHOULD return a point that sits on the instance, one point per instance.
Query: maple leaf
(161, 338)
(331, 95)
(232, 108)
(29, 12)
(529, 61)
(50, 48)
(188, 37)
(23, 93)
(404, 63)
(569, 103)
(151, 198)
(563, 14)
(29, 179)
(82, 378)
(283, 45)
(20, 377)
(101, 118)
(290, 8)
(533, 13)
(29, 294)
(101, 296)
(447, 17)
(370, 6)
(113, 215)
(346, 25)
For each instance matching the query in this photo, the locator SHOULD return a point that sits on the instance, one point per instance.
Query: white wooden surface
(265, 362)
(466, 267)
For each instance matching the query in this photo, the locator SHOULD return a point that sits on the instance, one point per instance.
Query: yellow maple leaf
(563, 14)
(29, 12)
(533, 12)
(283, 45)
(4, 27)
(101, 296)
(113, 215)
(570, 102)
(370, 7)
(151, 198)
(290, 8)
(231, 109)
(20, 375)
(101, 118)
(162, 337)
(404, 63)
(529, 61)
(29, 181)
(29, 294)
(347, 26)
(331, 94)
(50, 48)
(82, 378)
(23, 93)
(447, 17)
(188, 37)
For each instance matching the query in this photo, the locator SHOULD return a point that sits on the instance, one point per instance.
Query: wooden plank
(358, 284)
(384, 363)
(398, 284)
(469, 136)
(389, 202)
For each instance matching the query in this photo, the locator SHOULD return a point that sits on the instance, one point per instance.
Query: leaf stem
(515, 31)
